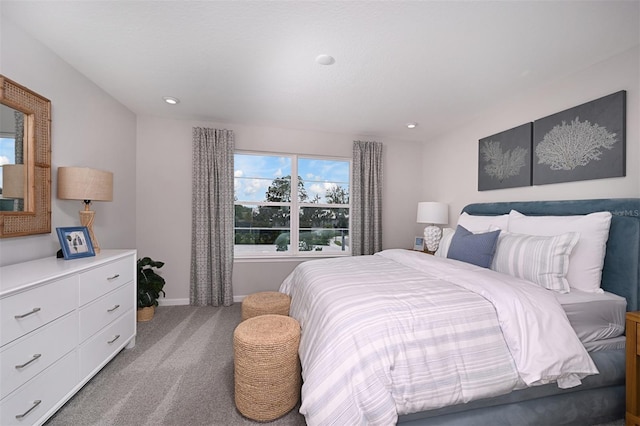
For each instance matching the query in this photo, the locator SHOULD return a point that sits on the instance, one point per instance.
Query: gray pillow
(477, 249)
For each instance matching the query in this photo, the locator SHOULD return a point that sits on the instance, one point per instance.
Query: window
(268, 188)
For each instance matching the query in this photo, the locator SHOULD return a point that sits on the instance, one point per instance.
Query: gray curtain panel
(212, 215)
(19, 140)
(366, 204)
(19, 144)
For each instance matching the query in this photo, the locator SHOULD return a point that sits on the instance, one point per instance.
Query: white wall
(452, 160)
(89, 129)
(164, 196)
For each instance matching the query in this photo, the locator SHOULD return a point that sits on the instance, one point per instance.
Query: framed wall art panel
(581, 143)
(504, 159)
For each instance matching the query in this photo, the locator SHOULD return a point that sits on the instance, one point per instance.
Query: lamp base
(432, 235)
(86, 219)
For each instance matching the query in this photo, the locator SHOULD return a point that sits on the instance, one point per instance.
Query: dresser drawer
(99, 349)
(26, 311)
(103, 311)
(101, 280)
(23, 359)
(49, 387)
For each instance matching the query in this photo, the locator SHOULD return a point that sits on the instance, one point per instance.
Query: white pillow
(587, 258)
(539, 259)
(475, 223)
(445, 242)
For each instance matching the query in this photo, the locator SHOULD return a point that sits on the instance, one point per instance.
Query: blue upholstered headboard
(621, 273)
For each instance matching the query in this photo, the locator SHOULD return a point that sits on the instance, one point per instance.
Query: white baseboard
(172, 302)
(179, 302)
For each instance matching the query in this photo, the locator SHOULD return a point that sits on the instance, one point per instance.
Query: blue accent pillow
(477, 249)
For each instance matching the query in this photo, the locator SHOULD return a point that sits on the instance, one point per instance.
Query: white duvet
(401, 332)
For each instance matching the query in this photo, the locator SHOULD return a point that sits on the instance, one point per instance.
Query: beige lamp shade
(13, 181)
(82, 183)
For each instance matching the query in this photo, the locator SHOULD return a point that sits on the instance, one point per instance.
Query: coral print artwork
(581, 143)
(504, 159)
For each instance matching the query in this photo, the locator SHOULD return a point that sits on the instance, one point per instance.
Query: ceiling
(437, 63)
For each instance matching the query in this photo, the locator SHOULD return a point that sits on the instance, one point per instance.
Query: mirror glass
(25, 161)
(12, 159)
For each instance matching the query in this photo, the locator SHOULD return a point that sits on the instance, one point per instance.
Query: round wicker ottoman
(265, 302)
(266, 366)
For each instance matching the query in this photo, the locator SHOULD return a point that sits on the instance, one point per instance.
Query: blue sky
(7, 151)
(254, 173)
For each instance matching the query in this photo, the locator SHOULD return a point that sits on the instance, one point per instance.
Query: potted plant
(150, 286)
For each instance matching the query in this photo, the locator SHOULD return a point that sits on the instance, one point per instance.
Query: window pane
(262, 178)
(324, 229)
(325, 181)
(262, 216)
(261, 229)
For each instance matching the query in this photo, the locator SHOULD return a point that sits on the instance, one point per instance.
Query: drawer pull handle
(113, 309)
(23, 415)
(114, 339)
(27, 314)
(113, 277)
(36, 356)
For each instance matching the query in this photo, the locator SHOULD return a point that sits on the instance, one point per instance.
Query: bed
(426, 366)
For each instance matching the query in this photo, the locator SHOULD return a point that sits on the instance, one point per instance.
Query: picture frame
(585, 142)
(418, 243)
(75, 242)
(504, 159)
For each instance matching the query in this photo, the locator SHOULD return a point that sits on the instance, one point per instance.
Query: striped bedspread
(400, 332)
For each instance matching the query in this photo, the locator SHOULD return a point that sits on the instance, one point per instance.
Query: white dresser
(61, 321)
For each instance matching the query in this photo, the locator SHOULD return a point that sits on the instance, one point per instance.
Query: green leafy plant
(150, 284)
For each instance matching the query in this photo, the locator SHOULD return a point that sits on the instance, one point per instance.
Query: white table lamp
(434, 214)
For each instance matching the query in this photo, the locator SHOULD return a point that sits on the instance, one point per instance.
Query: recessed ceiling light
(412, 125)
(325, 60)
(171, 100)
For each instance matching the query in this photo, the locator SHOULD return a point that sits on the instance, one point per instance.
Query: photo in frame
(581, 143)
(418, 243)
(504, 159)
(75, 242)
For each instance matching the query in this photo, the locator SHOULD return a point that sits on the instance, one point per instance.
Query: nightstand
(422, 251)
(633, 369)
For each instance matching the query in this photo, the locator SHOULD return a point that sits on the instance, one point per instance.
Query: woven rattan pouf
(266, 366)
(265, 302)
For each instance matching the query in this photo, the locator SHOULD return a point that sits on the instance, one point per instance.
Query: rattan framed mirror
(34, 214)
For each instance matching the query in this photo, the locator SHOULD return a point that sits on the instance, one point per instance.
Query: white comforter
(401, 332)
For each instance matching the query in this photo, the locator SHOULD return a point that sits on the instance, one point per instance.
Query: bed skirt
(600, 398)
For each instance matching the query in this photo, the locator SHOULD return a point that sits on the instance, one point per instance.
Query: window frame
(294, 252)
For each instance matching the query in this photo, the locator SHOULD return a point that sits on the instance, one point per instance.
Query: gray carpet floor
(179, 373)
